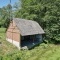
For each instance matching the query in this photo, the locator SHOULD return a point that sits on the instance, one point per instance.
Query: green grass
(5, 47)
(41, 52)
(2, 30)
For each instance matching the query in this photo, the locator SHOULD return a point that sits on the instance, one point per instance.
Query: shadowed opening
(30, 41)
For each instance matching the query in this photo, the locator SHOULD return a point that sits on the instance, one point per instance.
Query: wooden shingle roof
(28, 27)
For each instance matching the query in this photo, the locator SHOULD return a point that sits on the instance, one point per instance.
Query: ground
(41, 52)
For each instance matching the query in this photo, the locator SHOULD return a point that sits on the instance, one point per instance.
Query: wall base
(17, 44)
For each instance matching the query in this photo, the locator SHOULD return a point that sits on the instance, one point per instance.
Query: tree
(45, 12)
(5, 15)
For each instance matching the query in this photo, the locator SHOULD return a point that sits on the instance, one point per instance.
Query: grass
(2, 30)
(5, 47)
(41, 52)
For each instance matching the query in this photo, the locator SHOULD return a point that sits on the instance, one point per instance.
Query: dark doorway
(28, 41)
(26, 37)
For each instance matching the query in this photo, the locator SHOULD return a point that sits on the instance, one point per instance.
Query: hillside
(41, 52)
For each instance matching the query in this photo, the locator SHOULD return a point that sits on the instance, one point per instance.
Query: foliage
(5, 15)
(45, 12)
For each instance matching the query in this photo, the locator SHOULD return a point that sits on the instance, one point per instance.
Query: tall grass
(41, 52)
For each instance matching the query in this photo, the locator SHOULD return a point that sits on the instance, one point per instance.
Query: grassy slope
(5, 46)
(41, 52)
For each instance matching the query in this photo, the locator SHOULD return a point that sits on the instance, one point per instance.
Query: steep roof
(28, 27)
